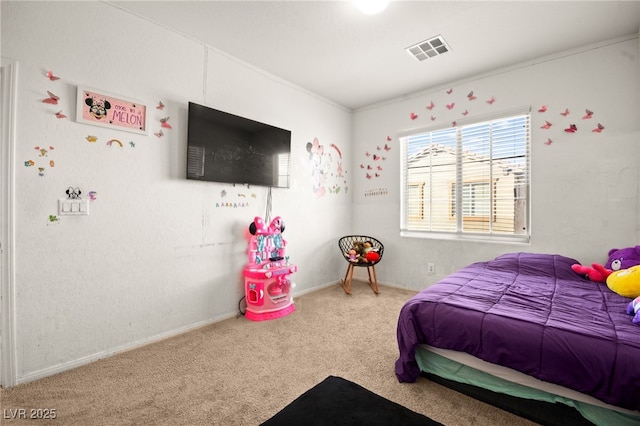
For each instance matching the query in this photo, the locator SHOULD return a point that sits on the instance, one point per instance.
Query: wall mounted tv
(226, 148)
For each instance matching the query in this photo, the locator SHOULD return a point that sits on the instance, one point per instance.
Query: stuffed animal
(625, 282)
(357, 254)
(618, 259)
(634, 308)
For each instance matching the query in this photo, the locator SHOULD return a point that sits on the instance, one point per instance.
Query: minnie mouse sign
(101, 109)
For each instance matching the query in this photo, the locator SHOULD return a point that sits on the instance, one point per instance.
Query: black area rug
(336, 401)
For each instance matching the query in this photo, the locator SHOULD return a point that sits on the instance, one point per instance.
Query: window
(471, 180)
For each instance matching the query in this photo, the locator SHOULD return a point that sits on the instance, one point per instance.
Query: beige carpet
(239, 372)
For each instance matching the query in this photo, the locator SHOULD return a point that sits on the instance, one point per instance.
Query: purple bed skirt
(532, 313)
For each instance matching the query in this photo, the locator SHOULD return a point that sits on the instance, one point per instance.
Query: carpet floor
(241, 372)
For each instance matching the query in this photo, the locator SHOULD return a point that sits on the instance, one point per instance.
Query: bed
(525, 324)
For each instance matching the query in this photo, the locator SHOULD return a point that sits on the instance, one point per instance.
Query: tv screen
(226, 148)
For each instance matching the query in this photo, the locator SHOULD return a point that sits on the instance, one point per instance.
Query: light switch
(70, 207)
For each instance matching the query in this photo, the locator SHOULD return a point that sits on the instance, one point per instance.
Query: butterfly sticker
(588, 114)
(92, 195)
(571, 129)
(368, 176)
(565, 113)
(491, 100)
(548, 142)
(389, 139)
(367, 154)
(379, 168)
(471, 96)
(361, 166)
(52, 77)
(52, 163)
(387, 147)
(413, 116)
(29, 163)
(546, 125)
(451, 105)
(430, 106)
(59, 114)
(53, 218)
(465, 112)
(159, 134)
(52, 99)
(433, 118)
(165, 123)
(91, 138)
(450, 91)
(369, 167)
(598, 129)
(160, 105)
(454, 123)
(132, 144)
(543, 108)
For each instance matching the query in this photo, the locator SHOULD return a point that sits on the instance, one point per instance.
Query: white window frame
(406, 230)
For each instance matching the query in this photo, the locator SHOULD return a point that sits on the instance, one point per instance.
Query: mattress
(531, 313)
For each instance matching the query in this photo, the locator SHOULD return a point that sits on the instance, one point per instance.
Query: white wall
(584, 185)
(157, 254)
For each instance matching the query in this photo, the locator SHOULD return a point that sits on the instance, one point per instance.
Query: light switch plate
(73, 207)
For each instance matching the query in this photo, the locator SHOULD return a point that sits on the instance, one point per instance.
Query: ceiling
(332, 49)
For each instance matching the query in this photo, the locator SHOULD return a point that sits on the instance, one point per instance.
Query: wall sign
(99, 108)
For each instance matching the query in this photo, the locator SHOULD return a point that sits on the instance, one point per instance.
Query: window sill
(503, 239)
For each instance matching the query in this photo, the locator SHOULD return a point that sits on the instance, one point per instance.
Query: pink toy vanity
(266, 276)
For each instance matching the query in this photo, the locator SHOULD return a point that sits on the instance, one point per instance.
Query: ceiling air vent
(429, 48)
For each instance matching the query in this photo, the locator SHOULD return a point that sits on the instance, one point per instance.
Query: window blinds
(472, 179)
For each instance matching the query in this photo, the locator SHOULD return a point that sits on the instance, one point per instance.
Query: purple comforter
(532, 313)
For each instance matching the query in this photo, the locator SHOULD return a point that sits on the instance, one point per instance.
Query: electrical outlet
(431, 268)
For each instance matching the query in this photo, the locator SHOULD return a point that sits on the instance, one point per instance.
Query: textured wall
(157, 254)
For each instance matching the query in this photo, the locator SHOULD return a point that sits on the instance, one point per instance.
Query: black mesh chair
(368, 253)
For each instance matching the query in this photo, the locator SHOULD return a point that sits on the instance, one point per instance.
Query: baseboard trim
(79, 362)
(66, 366)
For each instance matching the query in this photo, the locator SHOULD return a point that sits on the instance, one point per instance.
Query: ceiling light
(371, 7)
(429, 48)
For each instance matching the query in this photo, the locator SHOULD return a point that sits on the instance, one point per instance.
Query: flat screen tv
(226, 148)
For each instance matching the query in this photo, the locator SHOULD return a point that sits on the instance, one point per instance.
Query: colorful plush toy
(634, 308)
(618, 259)
(625, 282)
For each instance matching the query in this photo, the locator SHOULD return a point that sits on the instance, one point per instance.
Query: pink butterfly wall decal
(588, 115)
(449, 91)
(565, 113)
(52, 77)
(451, 105)
(165, 123)
(389, 139)
(548, 142)
(59, 114)
(491, 100)
(430, 106)
(543, 108)
(160, 105)
(52, 99)
(571, 129)
(159, 134)
(471, 96)
(598, 129)
(546, 125)
(413, 116)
